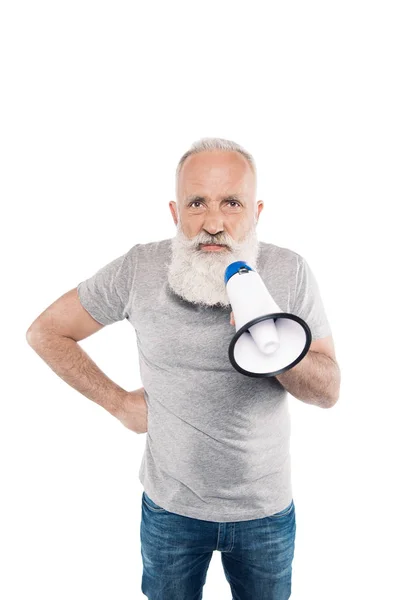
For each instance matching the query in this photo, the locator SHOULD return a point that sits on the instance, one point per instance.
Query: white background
(98, 102)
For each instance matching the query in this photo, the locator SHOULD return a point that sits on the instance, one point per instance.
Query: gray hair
(208, 144)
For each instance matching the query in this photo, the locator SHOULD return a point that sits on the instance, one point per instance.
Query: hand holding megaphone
(268, 341)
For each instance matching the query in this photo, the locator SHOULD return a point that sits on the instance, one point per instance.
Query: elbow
(331, 401)
(32, 334)
(334, 396)
(29, 336)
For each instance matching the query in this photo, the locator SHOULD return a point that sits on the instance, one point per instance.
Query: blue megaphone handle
(234, 268)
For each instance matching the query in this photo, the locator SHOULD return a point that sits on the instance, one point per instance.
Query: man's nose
(213, 224)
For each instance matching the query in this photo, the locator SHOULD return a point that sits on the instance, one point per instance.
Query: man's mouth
(212, 246)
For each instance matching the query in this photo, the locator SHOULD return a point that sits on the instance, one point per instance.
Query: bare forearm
(314, 380)
(70, 362)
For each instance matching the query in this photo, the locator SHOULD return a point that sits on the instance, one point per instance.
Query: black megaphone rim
(274, 316)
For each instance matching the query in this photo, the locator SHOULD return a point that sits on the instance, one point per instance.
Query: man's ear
(174, 211)
(260, 206)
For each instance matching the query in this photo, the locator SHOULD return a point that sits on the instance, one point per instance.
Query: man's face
(216, 205)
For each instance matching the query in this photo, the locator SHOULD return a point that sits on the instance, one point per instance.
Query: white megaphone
(267, 341)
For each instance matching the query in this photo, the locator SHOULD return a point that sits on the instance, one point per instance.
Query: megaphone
(267, 341)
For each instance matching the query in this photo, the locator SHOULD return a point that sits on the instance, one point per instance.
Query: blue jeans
(176, 551)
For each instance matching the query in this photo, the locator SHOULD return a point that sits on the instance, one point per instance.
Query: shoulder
(277, 257)
(149, 255)
(160, 247)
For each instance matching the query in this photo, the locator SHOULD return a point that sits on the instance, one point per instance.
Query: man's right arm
(54, 335)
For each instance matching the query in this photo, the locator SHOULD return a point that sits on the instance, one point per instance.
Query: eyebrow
(194, 197)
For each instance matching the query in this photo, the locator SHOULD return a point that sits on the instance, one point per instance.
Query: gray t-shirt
(217, 444)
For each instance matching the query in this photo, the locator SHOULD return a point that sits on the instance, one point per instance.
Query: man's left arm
(316, 378)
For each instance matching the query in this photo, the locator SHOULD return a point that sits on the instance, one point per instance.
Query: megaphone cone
(267, 341)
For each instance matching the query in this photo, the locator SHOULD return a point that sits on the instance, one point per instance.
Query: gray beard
(198, 275)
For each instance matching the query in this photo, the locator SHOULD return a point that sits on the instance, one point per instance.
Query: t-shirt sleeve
(105, 295)
(308, 302)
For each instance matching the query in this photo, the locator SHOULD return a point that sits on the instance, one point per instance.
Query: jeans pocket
(284, 512)
(152, 505)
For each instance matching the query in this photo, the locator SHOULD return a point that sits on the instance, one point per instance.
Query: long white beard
(198, 275)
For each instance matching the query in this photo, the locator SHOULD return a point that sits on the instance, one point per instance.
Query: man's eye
(229, 202)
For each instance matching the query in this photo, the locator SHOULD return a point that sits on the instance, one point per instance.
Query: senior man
(216, 467)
